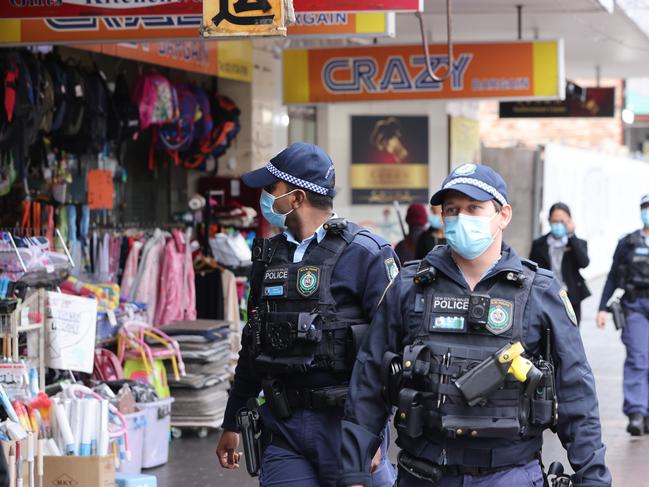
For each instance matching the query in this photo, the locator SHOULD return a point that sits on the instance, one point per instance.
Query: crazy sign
(534, 70)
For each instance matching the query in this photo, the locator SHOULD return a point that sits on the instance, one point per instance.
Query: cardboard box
(79, 472)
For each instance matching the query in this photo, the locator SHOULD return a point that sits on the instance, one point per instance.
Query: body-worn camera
(261, 250)
(478, 312)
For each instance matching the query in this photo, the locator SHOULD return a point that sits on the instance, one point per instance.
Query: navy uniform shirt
(360, 277)
(578, 428)
(623, 252)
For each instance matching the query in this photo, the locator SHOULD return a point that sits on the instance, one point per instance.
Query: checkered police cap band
(478, 184)
(301, 183)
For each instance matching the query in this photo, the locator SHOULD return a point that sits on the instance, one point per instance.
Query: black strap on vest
(263, 250)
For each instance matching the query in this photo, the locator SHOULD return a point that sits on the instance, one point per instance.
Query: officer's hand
(376, 460)
(226, 450)
(601, 319)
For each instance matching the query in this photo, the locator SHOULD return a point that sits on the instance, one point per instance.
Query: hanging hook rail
(449, 43)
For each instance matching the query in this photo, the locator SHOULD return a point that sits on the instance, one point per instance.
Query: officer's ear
(506, 213)
(299, 198)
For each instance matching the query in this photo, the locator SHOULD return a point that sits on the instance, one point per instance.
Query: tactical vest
(296, 323)
(459, 330)
(635, 271)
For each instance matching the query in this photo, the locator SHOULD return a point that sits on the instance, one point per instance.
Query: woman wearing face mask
(564, 254)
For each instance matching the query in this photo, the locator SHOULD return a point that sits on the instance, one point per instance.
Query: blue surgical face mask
(558, 230)
(267, 203)
(469, 236)
(644, 214)
(435, 221)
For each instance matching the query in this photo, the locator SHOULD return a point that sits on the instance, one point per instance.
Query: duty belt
(424, 469)
(317, 399)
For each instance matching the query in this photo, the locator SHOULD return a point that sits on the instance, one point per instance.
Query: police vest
(297, 324)
(635, 271)
(457, 331)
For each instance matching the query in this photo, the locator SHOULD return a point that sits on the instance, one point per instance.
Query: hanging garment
(209, 295)
(230, 298)
(146, 286)
(130, 269)
(231, 308)
(177, 296)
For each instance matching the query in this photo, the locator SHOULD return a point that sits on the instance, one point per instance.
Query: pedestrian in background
(630, 271)
(417, 220)
(434, 235)
(564, 254)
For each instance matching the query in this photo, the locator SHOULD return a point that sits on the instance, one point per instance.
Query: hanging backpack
(97, 112)
(225, 127)
(33, 120)
(204, 122)
(48, 101)
(59, 84)
(156, 100)
(17, 116)
(126, 114)
(75, 91)
(177, 136)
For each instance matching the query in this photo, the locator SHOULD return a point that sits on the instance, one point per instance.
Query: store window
(303, 124)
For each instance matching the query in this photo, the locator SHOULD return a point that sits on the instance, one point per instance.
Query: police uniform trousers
(314, 457)
(635, 336)
(529, 475)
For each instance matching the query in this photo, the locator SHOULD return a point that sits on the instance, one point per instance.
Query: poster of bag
(389, 159)
(70, 338)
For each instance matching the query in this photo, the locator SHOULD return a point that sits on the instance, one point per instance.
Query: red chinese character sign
(244, 18)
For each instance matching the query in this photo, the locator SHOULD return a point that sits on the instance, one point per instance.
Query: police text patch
(276, 274)
(451, 304)
(501, 316)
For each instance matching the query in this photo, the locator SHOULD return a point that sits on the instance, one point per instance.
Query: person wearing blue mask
(314, 290)
(433, 236)
(562, 252)
(437, 348)
(630, 272)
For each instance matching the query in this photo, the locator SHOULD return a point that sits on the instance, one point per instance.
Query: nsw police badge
(308, 280)
(563, 294)
(501, 316)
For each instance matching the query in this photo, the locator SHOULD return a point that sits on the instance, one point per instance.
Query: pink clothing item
(177, 296)
(130, 269)
(147, 290)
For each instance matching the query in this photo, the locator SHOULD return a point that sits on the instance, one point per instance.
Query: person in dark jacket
(433, 236)
(564, 254)
(417, 220)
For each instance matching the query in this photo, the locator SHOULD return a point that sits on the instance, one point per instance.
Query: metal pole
(519, 15)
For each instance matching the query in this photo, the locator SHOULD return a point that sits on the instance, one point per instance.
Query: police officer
(440, 349)
(314, 290)
(630, 272)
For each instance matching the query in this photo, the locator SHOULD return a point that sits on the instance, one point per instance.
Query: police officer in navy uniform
(314, 290)
(630, 272)
(440, 349)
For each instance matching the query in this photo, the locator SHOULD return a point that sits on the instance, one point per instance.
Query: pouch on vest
(410, 416)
